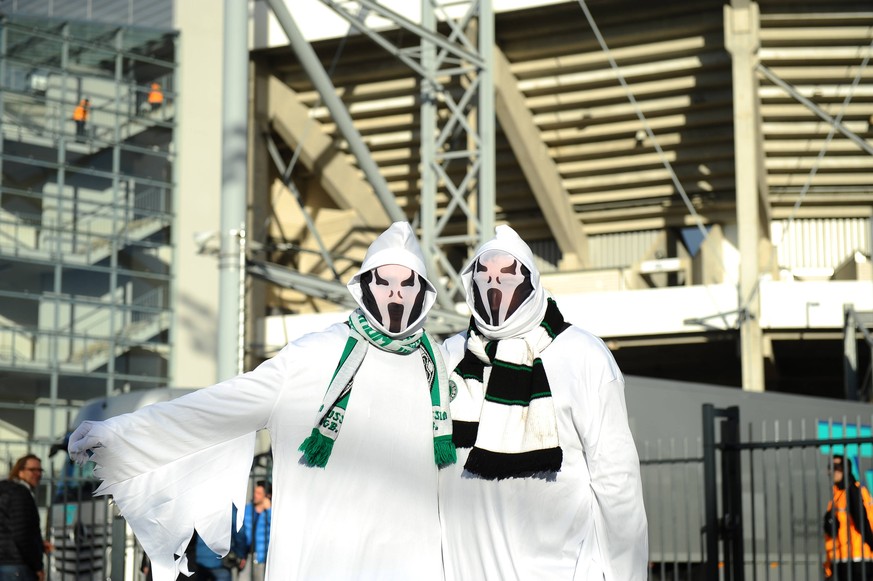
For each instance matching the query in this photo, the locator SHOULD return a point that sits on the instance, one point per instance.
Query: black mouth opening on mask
(495, 298)
(395, 316)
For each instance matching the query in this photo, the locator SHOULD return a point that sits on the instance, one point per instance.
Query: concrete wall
(198, 194)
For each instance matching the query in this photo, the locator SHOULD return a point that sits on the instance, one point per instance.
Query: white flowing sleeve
(620, 522)
(175, 466)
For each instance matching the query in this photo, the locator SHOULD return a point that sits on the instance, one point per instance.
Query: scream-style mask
(393, 295)
(501, 284)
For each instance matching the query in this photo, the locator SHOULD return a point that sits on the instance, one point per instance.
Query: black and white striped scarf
(503, 403)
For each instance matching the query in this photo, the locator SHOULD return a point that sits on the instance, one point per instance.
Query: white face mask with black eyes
(393, 295)
(501, 284)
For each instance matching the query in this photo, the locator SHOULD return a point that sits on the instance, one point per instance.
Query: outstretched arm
(177, 465)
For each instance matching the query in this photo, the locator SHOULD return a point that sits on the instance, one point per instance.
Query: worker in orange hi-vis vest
(848, 534)
(80, 116)
(156, 96)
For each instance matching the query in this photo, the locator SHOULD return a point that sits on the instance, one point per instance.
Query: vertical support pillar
(428, 124)
(850, 354)
(233, 187)
(710, 565)
(732, 498)
(2, 93)
(487, 184)
(741, 38)
(117, 218)
(119, 544)
(55, 338)
(471, 194)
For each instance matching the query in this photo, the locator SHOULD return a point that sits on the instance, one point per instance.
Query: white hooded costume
(366, 508)
(547, 482)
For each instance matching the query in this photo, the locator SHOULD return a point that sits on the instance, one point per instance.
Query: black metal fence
(91, 540)
(747, 502)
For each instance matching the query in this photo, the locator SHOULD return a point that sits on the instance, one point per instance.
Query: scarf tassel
(316, 449)
(444, 452)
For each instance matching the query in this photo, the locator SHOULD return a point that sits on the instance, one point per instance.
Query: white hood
(531, 312)
(396, 245)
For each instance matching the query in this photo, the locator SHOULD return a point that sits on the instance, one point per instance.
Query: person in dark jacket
(21, 544)
(209, 566)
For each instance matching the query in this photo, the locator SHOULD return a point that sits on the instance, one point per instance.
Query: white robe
(589, 522)
(372, 513)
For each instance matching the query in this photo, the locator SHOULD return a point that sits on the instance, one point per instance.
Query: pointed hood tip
(529, 315)
(396, 245)
(399, 245)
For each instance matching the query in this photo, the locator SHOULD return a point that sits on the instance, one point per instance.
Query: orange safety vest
(848, 545)
(156, 97)
(80, 113)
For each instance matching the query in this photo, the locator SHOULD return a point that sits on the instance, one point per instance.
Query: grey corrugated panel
(621, 249)
(148, 14)
(822, 242)
(153, 14)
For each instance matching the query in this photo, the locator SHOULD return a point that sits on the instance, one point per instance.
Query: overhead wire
(663, 157)
(835, 124)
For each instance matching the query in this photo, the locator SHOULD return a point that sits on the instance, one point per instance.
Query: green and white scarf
(319, 445)
(503, 405)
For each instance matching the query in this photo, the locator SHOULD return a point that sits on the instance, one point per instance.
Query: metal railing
(732, 508)
(90, 538)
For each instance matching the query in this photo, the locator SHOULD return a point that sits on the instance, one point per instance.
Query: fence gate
(766, 496)
(746, 502)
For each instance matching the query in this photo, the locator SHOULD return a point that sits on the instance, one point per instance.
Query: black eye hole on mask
(511, 269)
(480, 267)
(379, 280)
(409, 281)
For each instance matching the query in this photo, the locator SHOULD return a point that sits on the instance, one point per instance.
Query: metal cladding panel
(621, 249)
(152, 14)
(820, 243)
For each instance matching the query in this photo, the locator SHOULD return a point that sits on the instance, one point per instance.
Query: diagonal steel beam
(338, 111)
(772, 77)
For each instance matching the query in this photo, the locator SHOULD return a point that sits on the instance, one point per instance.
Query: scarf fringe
(316, 449)
(497, 466)
(444, 452)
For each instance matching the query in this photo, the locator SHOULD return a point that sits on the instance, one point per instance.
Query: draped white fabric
(589, 522)
(370, 514)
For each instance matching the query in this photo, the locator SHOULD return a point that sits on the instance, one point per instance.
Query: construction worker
(848, 536)
(156, 97)
(80, 116)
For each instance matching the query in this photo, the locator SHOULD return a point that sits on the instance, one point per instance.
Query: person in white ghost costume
(547, 482)
(354, 462)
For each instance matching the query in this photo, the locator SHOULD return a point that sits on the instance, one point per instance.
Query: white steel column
(233, 189)
(741, 38)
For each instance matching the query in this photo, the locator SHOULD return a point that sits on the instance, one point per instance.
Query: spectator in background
(847, 530)
(146, 566)
(257, 529)
(21, 544)
(80, 116)
(209, 566)
(156, 97)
